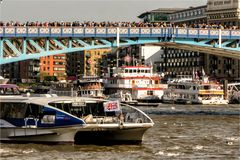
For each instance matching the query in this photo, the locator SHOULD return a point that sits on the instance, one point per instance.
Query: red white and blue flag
(111, 106)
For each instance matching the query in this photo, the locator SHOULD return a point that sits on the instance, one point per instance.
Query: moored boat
(190, 91)
(91, 86)
(138, 81)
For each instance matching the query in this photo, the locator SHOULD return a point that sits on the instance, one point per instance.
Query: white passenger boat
(138, 81)
(51, 119)
(91, 86)
(186, 90)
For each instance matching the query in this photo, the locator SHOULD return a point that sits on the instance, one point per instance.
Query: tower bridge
(22, 43)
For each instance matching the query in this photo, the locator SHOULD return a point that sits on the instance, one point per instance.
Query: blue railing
(8, 32)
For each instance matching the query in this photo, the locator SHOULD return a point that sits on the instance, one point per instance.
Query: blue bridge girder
(22, 43)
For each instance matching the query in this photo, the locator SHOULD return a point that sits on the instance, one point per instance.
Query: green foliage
(50, 78)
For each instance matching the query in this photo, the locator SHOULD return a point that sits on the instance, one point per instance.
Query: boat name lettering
(60, 117)
(79, 103)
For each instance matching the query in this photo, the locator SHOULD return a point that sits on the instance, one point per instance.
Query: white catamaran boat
(186, 90)
(51, 119)
(137, 81)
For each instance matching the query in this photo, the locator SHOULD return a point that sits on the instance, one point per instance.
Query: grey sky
(84, 10)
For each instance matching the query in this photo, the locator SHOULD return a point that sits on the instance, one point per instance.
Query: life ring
(139, 120)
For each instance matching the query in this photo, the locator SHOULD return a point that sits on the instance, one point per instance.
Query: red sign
(111, 106)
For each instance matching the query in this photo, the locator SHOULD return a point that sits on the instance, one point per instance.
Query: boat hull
(88, 134)
(111, 136)
(38, 135)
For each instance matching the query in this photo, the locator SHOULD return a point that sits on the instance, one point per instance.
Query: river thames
(180, 132)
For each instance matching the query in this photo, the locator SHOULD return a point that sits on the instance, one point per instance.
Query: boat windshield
(102, 109)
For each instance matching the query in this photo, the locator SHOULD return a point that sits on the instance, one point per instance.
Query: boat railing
(71, 93)
(134, 115)
(30, 126)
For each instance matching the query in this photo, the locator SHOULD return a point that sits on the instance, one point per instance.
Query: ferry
(186, 90)
(91, 86)
(46, 118)
(138, 81)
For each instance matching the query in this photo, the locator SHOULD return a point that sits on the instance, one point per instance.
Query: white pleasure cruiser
(186, 90)
(137, 83)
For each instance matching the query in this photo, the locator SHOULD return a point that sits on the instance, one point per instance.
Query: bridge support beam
(10, 46)
(13, 48)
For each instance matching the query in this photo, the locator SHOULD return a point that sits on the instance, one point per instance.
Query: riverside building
(225, 12)
(176, 61)
(158, 15)
(24, 71)
(191, 16)
(85, 63)
(53, 66)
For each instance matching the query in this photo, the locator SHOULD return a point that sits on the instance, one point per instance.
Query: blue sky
(85, 10)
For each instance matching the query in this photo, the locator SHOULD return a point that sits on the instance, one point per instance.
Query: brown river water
(180, 132)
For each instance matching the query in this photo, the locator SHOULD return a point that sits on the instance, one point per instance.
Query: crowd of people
(116, 24)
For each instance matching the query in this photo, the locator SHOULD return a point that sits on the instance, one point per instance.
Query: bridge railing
(12, 31)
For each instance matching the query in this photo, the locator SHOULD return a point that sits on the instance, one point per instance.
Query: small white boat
(51, 119)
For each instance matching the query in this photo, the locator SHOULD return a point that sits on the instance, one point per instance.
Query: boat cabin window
(149, 92)
(9, 91)
(20, 110)
(34, 111)
(206, 87)
(126, 70)
(12, 110)
(96, 109)
(130, 71)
